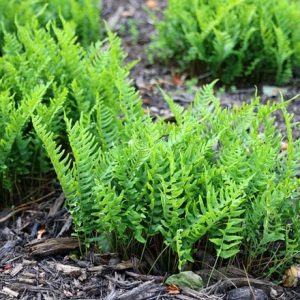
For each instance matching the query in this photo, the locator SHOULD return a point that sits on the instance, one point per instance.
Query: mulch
(39, 257)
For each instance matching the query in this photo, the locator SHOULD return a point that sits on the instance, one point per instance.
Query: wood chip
(29, 275)
(141, 290)
(83, 276)
(26, 280)
(67, 269)
(29, 262)
(201, 295)
(157, 279)
(66, 227)
(98, 269)
(16, 270)
(57, 205)
(10, 292)
(124, 265)
(48, 297)
(53, 246)
(8, 247)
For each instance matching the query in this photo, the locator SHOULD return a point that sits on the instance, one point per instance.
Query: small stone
(284, 146)
(273, 91)
(186, 279)
(154, 110)
(246, 293)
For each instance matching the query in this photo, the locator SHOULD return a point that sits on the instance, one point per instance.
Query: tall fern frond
(16, 121)
(59, 159)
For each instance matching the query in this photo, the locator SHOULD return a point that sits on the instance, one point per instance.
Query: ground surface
(38, 257)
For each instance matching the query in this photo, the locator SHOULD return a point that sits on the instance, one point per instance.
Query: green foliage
(83, 14)
(102, 125)
(38, 46)
(12, 121)
(233, 39)
(73, 77)
(216, 174)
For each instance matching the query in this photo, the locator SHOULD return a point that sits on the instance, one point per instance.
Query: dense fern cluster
(233, 39)
(216, 174)
(83, 14)
(216, 178)
(41, 61)
(66, 76)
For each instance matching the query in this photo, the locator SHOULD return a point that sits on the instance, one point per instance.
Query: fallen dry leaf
(41, 232)
(146, 101)
(291, 276)
(173, 289)
(177, 80)
(7, 267)
(151, 4)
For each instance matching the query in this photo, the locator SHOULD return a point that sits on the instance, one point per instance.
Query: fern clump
(232, 39)
(73, 77)
(83, 14)
(14, 154)
(217, 175)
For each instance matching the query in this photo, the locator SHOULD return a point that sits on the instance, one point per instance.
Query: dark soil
(38, 257)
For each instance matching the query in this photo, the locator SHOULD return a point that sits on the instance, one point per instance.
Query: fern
(77, 81)
(13, 121)
(60, 163)
(216, 175)
(83, 15)
(76, 176)
(232, 39)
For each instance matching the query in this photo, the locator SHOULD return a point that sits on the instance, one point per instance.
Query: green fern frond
(232, 39)
(17, 119)
(83, 14)
(60, 161)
